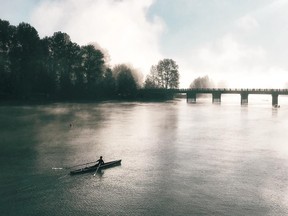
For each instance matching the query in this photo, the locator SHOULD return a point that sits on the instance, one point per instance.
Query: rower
(100, 161)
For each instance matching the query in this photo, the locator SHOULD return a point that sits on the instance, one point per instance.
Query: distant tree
(126, 85)
(73, 69)
(163, 75)
(58, 54)
(6, 36)
(25, 61)
(55, 67)
(108, 84)
(64, 60)
(152, 79)
(202, 82)
(92, 67)
(48, 78)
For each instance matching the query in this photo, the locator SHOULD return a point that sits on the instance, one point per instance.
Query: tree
(152, 79)
(202, 82)
(163, 75)
(25, 62)
(6, 36)
(126, 85)
(92, 67)
(64, 62)
(109, 84)
(55, 67)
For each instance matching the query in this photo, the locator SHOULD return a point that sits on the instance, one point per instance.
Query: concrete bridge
(191, 93)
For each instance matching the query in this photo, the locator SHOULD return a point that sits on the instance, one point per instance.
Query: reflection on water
(177, 158)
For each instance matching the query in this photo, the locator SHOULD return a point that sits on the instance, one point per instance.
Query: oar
(81, 165)
(97, 169)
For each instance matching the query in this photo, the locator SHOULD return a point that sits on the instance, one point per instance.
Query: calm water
(177, 158)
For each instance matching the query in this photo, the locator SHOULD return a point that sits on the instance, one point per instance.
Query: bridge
(191, 93)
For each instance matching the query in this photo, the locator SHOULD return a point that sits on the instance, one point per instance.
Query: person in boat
(100, 161)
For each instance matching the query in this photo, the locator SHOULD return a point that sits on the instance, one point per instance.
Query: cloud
(251, 53)
(226, 59)
(121, 27)
(247, 23)
(241, 43)
(227, 54)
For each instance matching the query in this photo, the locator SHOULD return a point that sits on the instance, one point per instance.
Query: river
(178, 158)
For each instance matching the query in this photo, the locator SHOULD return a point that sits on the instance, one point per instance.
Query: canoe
(94, 168)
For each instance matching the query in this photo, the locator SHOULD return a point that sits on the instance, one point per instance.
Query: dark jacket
(100, 161)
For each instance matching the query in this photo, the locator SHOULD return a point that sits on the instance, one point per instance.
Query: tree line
(54, 67)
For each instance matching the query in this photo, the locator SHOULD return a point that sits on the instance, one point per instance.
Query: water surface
(177, 158)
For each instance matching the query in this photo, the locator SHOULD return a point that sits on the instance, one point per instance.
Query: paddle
(97, 169)
(75, 165)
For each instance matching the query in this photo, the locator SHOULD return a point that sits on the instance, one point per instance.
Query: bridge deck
(234, 91)
(191, 93)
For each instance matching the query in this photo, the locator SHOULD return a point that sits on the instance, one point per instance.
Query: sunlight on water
(177, 158)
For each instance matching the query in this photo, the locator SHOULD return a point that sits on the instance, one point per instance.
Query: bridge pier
(216, 97)
(274, 99)
(191, 93)
(191, 97)
(244, 98)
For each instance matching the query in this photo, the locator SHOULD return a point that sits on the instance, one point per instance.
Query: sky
(237, 43)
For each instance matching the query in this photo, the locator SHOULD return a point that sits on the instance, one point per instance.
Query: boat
(94, 168)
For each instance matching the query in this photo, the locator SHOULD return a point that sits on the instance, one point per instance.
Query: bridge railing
(220, 90)
(234, 89)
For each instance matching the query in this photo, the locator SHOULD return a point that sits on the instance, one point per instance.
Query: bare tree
(163, 75)
(202, 82)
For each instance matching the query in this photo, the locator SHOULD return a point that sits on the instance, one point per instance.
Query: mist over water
(177, 158)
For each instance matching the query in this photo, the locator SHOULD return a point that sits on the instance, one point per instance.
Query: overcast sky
(242, 43)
